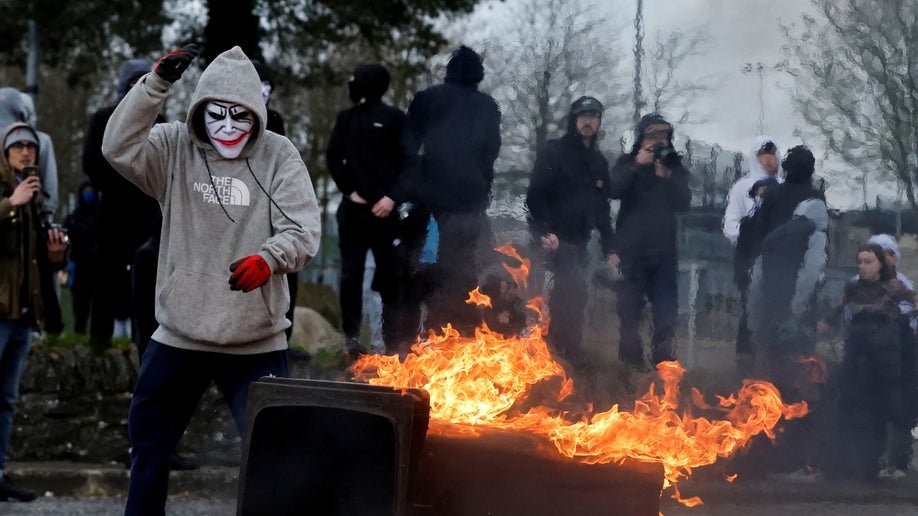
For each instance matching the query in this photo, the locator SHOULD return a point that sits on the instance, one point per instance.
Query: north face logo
(226, 190)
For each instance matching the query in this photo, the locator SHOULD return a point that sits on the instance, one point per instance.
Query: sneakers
(9, 490)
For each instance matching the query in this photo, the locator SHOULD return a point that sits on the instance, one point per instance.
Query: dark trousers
(54, 323)
(465, 239)
(83, 293)
(567, 302)
(169, 386)
(113, 297)
(360, 231)
(744, 345)
(653, 277)
(870, 396)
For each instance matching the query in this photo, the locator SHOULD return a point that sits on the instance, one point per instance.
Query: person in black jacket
(276, 124)
(568, 197)
(653, 186)
(458, 128)
(365, 158)
(82, 228)
(125, 215)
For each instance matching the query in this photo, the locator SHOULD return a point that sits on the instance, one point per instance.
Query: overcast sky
(739, 32)
(746, 31)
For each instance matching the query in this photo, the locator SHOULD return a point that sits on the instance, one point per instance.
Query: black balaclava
(370, 82)
(464, 67)
(799, 165)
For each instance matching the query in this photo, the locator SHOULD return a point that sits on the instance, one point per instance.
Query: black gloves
(171, 66)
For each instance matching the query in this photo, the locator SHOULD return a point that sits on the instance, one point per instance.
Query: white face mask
(229, 127)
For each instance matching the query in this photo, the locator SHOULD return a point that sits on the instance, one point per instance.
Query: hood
(28, 108)
(888, 243)
(130, 71)
(755, 168)
(799, 165)
(264, 73)
(81, 202)
(15, 128)
(815, 210)
(12, 109)
(579, 106)
(370, 82)
(464, 67)
(230, 77)
(651, 123)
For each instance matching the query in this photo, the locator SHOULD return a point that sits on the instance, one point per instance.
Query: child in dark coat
(870, 380)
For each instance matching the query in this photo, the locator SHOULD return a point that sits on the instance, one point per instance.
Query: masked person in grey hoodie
(239, 213)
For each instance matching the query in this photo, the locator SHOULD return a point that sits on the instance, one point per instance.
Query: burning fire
(481, 381)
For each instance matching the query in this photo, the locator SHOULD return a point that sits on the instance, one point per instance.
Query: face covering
(89, 196)
(355, 91)
(229, 127)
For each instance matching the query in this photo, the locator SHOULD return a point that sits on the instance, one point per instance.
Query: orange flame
(478, 299)
(484, 381)
(519, 273)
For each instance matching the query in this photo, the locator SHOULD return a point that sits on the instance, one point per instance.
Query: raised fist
(171, 66)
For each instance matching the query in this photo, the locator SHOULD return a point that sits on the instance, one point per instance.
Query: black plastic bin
(330, 448)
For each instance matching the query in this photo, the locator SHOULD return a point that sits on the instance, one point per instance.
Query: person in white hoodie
(745, 195)
(239, 213)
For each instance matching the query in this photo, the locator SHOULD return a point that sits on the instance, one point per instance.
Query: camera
(666, 155)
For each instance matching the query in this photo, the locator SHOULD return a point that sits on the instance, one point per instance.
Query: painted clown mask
(229, 127)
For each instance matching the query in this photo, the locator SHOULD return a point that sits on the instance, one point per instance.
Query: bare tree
(667, 84)
(856, 66)
(552, 53)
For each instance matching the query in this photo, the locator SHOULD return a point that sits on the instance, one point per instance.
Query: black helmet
(584, 104)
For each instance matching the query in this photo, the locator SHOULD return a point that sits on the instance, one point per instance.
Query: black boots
(9, 490)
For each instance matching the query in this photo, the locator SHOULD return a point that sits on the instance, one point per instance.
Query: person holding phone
(23, 244)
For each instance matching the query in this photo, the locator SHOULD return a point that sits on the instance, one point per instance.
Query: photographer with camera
(652, 184)
(24, 243)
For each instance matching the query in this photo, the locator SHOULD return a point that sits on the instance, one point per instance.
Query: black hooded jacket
(82, 228)
(569, 192)
(459, 130)
(124, 211)
(646, 224)
(365, 153)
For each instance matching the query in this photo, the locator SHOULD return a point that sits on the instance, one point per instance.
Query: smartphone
(30, 171)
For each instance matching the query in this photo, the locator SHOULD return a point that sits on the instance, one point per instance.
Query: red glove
(249, 273)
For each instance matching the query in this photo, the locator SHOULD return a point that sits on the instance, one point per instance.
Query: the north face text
(226, 190)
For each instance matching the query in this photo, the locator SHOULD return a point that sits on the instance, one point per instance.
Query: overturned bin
(340, 448)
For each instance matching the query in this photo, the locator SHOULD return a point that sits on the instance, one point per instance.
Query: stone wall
(74, 406)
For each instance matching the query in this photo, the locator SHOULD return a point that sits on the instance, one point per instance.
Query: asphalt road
(774, 497)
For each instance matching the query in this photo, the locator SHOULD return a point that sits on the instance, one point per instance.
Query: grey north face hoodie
(217, 210)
